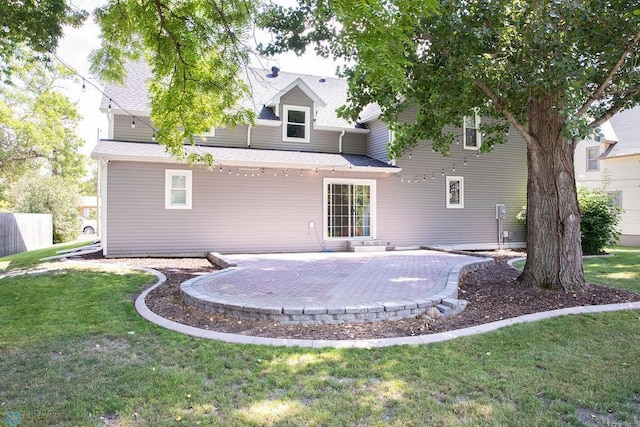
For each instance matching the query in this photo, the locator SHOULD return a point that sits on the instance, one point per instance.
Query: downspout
(249, 136)
(340, 141)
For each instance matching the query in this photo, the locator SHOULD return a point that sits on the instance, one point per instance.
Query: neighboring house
(301, 179)
(611, 161)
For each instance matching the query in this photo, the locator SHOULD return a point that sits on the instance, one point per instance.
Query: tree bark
(554, 252)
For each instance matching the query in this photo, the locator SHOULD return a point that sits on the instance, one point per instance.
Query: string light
(229, 171)
(454, 167)
(153, 138)
(477, 153)
(133, 123)
(5, 27)
(84, 86)
(465, 161)
(300, 172)
(109, 107)
(410, 154)
(433, 175)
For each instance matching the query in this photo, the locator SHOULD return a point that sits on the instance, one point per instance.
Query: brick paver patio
(330, 287)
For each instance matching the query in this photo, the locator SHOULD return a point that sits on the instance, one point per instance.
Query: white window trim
(597, 159)
(211, 133)
(307, 123)
(168, 173)
(478, 133)
(455, 205)
(372, 201)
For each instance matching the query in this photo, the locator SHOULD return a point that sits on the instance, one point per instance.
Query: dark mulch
(491, 292)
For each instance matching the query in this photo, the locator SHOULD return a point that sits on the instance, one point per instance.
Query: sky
(76, 45)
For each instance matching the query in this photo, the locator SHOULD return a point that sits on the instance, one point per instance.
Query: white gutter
(340, 129)
(249, 136)
(340, 142)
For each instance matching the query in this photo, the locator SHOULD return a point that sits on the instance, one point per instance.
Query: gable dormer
(296, 105)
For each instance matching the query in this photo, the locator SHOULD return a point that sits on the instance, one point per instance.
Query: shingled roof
(133, 96)
(626, 125)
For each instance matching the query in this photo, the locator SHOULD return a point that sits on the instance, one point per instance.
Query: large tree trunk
(554, 253)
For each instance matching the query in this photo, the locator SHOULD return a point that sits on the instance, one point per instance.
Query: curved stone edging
(144, 311)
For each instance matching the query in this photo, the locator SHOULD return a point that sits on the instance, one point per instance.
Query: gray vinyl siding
(230, 213)
(122, 130)
(262, 137)
(234, 214)
(415, 213)
(378, 139)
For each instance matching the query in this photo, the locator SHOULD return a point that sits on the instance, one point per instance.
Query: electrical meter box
(501, 212)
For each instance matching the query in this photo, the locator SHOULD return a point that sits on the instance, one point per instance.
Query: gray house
(301, 179)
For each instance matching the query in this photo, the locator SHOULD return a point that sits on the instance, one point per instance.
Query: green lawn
(622, 270)
(31, 258)
(74, 352)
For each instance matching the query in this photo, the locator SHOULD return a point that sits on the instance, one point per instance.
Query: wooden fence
(21, 232)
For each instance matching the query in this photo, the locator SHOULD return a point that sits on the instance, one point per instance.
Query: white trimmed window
(295, 123)
(177, 189)
(211, 133)
(471, 132)
(593, 159)
(455, 192)
(349, 208)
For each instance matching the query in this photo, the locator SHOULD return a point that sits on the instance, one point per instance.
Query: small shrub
(598, 222)
(599, 219)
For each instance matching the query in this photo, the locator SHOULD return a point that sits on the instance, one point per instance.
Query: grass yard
(31, 258)
(73, 351)
(622, 270)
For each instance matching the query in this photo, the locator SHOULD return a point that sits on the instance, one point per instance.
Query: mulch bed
(491, 292)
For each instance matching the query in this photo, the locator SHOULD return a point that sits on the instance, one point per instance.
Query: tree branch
(503, 109)
(607, 81)
(163, 25)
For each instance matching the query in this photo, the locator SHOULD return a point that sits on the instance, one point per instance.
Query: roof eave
(248, 164)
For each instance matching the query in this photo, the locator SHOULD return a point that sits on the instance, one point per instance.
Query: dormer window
(295, 123)
(471, 132)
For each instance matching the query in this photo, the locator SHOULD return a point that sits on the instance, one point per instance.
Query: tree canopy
(449, 57)
(38, 124)
(196, 50)
(554, 71)
(37, 25)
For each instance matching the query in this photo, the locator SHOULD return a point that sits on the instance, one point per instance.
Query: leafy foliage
(195, 49)
(55, 195)
(599, 220)
(34, 24)
(38, 124)
(492, 55)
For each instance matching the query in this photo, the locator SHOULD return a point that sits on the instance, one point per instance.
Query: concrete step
(366, 246)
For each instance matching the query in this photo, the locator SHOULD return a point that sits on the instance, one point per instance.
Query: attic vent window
(295, 126)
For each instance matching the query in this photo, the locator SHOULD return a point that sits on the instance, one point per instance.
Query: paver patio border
(144, 311)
